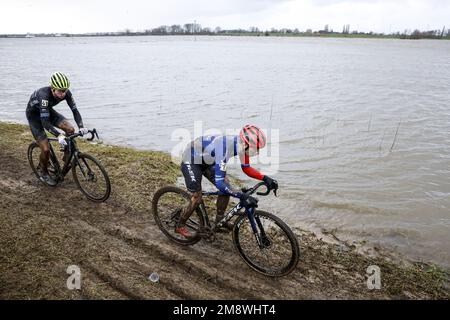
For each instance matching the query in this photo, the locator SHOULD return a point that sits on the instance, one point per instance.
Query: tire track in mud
(142, 263)
(203, 271)
(104, 269)
(187, 264)
(96, 288)
(221, 285)
(222, 255)
(204, 257)
(117, 244)
(183, 269)
(200, 260)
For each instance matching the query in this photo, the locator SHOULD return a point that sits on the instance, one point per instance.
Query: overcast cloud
(35, 16)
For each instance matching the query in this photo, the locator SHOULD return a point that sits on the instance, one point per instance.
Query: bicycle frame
(227, 217)
(72, 154)
(254, 221)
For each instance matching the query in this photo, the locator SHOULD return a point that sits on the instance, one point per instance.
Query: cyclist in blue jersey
(208, 156)
(41, 117)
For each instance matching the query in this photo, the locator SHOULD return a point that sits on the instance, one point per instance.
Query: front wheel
(91, 178)
(278, 252)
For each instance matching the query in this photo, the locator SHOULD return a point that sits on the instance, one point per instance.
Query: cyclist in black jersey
(41, 116)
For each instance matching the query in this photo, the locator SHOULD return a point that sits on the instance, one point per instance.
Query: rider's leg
(44, 160)
(45, 155)
(221, 205)
(186, 212)
(222, 200)
(193, 178)
(40, 137)
(196, 199)
(67, 127)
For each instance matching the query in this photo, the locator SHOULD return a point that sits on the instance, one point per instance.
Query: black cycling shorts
(193, 175)
(37, 129)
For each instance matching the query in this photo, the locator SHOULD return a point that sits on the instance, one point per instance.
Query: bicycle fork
(85, 170)
(261, 237)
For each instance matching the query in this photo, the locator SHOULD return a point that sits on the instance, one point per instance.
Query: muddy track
(203, 271)
(117, 245)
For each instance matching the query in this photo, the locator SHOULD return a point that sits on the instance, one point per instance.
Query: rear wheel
(91, 178)
(167, 205)
(34, 153)
(278, 253)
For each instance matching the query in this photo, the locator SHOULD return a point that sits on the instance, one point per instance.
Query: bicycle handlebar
(93, 133)
(257, 186)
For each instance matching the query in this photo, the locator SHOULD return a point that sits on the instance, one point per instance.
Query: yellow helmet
(59, 81)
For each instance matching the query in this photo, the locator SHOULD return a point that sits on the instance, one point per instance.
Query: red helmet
(253, 136)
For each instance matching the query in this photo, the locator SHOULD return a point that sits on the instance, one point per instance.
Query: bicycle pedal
(210, 239)
(222, 230)
(206, 233)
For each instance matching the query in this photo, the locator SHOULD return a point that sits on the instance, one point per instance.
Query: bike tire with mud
(88, 163)
(278, 234)
(33, 159)
(166, 205)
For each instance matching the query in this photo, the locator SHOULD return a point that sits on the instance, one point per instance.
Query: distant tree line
(433, 34)
(197, 29)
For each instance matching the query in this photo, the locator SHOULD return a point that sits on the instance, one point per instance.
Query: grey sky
(21, 16)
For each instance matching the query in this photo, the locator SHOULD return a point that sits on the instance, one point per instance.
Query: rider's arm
(249, 171)
(45, 117)
(221, 170)
(73, 107)
(222, 184)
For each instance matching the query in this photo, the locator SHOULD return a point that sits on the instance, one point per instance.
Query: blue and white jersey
(214, 151)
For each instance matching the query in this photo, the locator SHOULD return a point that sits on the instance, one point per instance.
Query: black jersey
(41, 104)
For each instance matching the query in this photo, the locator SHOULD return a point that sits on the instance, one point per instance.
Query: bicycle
(86, 170)
(263, 241)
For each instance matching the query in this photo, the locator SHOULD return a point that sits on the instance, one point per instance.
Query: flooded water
(363, 125)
